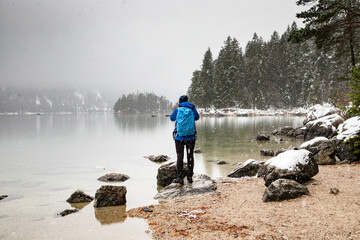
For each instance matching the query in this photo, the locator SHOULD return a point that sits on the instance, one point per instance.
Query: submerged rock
(158, 158)
(282, 130)
(167, 173)
(198, 150)
(79, 197)
(283, 189)
(267, 152)
(221, 162)
(262, 137)
(110, 196)
(114, 177)
(67, 212)
(249, 168)
(3, 196)
(298, 165)
(201, 184)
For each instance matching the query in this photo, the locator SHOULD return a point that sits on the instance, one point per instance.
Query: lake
(45, 158)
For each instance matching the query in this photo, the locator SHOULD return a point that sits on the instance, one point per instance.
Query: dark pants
(190, 145)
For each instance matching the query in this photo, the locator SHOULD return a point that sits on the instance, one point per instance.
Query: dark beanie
(183, 98)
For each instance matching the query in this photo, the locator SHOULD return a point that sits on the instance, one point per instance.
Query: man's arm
(173, 115)
(196, 114)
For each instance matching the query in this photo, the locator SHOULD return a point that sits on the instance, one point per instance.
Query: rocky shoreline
(291, 176)
(236, 210)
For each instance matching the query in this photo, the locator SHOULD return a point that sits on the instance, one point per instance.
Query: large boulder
(347, 132)
(325, 127)
(322, 149)
(79, 197)
(158, 158)
(249, 168)
(201, 184)
(298, 165)
(349, 129)
(283, 189)
(114, 177)
(110, 196)
(167, 173)
(319, 111)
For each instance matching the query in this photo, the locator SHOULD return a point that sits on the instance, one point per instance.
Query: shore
(235, 211)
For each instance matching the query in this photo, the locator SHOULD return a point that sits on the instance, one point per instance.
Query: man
(184, 135)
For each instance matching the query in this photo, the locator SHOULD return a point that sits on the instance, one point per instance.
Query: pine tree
(207, 79)
(333, 25)
(255, 72)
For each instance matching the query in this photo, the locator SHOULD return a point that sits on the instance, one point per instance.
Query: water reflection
(139, 122)
(110, 215)
(79, 206)
(231, 139)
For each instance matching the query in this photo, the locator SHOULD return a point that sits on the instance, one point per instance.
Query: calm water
(45, 158)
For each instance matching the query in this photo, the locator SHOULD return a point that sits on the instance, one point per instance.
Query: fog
(125, 46)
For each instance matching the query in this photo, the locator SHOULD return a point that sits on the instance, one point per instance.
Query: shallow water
(45, 158)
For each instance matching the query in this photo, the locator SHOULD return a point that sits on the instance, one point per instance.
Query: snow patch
(289, 159)
(349, 129)
(313, 141)
(327, 121)
(318, 111)
(249, 161)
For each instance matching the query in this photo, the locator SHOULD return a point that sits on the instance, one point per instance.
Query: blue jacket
(196, 117)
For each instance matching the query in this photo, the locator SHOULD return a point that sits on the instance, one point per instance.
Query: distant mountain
(17, 100)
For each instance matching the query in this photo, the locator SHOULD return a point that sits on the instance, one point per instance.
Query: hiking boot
(189, 178)
(178, 180)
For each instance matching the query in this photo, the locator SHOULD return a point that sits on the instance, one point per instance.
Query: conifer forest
(288, 71)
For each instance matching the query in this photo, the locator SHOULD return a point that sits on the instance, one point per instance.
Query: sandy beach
(236, 211)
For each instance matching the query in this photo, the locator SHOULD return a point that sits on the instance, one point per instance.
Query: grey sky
(126, 45)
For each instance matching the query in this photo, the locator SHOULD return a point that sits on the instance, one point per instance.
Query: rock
(282, 130)
(157, 158)
(167, 173)
(67, 212)
(110, 196)
(249, 168)
(349, 129)
(262, 137)
(298, 165)
(322, 150)
(325, 157)
(79, 197)
(201, 184)
(313, 143)
(325, 127)
(343, 150)
(3, 196)
(114, 177)
(319, 111)
(198, 150)
(148, 209)
(221, 162)
(283, 189)
(266, 152)
(334, 191)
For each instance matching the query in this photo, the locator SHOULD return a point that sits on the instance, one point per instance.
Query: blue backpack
(185, 123)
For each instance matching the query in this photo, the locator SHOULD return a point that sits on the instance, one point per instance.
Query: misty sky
(126, 45)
